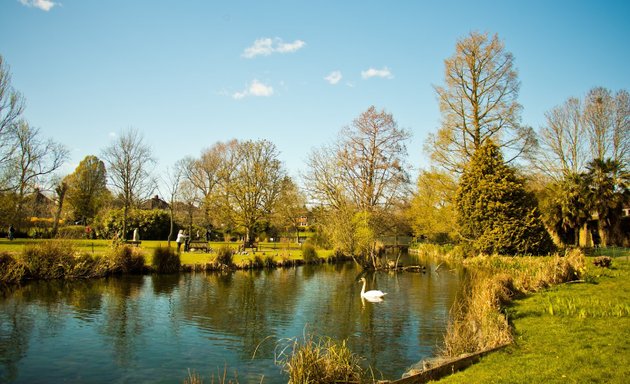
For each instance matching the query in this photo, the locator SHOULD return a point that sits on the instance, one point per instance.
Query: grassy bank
(568, 333)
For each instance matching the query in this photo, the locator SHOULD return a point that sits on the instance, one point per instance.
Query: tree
(290, 206)
(607, 121)
(608, 192)
(251, 185)
(87, 188)
(578, 132)
(129, 160)
(363, 175)
(478, 103)
(494, 212)
(31, 162)
(431, 212)
(61, 188)
(172, 182)
(11, 108)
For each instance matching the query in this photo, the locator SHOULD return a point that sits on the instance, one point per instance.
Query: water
(156, 328)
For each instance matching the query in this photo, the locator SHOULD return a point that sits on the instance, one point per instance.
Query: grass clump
(126, 260)
(11, 270)
(319, 360)
(309, 253)
(49, 260)
(165, 260)
(225, 256)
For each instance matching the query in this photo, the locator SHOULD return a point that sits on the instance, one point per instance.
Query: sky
(188, 74)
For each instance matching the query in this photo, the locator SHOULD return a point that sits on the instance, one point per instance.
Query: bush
(71, 232)
(269, 262)
(166, 260)
(309, 254)
(225, 255)
(53, 259)
(11, 270)
(124, 259)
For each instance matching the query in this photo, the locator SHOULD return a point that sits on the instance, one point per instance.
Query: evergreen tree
(494, 211)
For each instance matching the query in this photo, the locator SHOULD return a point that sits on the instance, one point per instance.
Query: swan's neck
(363, 288)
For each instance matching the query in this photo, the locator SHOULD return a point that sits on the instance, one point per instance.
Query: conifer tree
(495, 213)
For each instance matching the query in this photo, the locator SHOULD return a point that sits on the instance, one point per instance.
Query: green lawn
(572, 333)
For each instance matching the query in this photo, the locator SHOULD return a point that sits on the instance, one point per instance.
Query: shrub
(11, 270)
(309, 254)
(52, 259)
(269, 262)
(166, 260)
(71, 232)
(225, 255)
(319, 360)
(124, 259)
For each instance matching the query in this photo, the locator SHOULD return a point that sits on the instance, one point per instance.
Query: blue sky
(190, 73)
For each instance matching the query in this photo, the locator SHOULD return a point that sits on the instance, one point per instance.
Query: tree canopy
(495, 214)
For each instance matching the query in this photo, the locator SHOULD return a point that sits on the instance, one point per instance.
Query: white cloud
(44, 5)
(334, 77)
(384, 73)
(267, 46)
(256, 88)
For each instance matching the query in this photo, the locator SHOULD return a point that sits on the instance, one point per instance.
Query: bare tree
(563, 141)
(32, 161)
(363, 175)
(478, 102)
(172, 182)
(578, 132)
(11, 108)
(129, 162)
(607, 121)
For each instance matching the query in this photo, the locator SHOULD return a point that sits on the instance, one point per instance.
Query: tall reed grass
(319, 360)
(477, 320)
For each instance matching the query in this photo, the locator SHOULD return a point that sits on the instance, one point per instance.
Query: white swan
(373, 295)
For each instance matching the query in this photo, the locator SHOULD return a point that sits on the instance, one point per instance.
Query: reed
(478, 320)
(166, 260)
(319, 360)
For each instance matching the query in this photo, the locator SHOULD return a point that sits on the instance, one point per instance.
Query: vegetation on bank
(67, 259)
(565, 333)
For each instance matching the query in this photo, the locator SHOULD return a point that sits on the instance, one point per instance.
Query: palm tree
(608, 192)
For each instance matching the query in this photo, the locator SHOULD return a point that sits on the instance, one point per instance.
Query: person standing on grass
(181, 238)
(11, 232)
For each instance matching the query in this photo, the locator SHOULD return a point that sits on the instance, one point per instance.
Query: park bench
(251, 245)
(198, 245)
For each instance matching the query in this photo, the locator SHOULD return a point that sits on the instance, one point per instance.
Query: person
(181, 238)
(136, 235)
(11, 232)
(208, 234)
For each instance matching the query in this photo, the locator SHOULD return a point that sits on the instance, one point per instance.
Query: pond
(156, 328)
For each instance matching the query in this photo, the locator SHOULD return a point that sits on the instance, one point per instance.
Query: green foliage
(71, 232)
(152, 224)
(125, 259)
(309, 253)
(166, 260)
(431, 212)
(494, 212)
(225, 255)
(87, 188)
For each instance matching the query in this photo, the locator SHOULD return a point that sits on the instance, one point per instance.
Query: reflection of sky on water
(157, 327)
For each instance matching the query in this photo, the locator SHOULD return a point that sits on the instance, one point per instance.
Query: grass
(569, 333)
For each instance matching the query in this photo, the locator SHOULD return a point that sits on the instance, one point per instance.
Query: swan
(375, 295)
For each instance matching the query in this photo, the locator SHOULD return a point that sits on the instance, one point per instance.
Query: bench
(198, 245)
(135, 243)
(253, 246)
